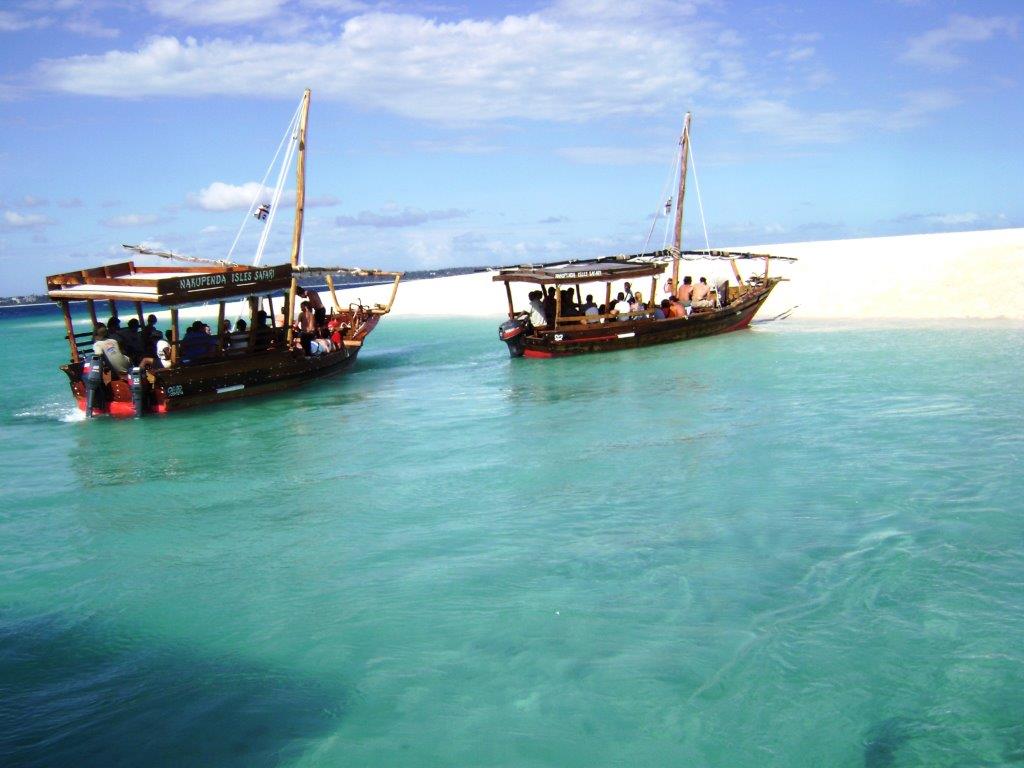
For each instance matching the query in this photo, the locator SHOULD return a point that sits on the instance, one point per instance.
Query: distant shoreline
(41, 299)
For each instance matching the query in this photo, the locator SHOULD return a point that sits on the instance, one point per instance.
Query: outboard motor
(137, 382)
(95, 389)
(513, 332)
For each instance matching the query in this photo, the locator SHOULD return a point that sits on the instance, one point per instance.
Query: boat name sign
(577, 275)
(235, 278)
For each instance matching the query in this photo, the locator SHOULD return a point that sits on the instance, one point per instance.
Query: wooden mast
(684, 154)
(300, 207)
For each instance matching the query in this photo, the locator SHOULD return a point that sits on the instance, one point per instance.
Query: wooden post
(92, 312)
(394, 291)
(508, 293)
(579, 296)
(300, 181)
(558, 304)
(253, 306)
(334, 296)
(654, 291)
(220, 327)
(289, 313)
(70, 326)
(607, 297)
(138, 313)
(684, 154)
(270, 303)
(177, 336)
(736, 272)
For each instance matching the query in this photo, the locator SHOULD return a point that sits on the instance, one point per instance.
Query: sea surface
(800, 545)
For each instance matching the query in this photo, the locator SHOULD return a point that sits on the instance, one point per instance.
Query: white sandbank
(949, 275)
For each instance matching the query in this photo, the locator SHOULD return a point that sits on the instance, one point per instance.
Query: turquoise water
(801, 545)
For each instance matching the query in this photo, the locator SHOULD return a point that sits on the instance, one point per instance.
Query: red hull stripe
(120, 409)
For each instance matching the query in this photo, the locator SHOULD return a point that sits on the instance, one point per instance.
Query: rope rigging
(265, 212)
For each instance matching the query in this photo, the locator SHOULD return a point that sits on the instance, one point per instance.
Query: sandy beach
(977, 275)
(961, 275)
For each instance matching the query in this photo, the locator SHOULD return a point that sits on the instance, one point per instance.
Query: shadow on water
(78, 696)
(883, 740)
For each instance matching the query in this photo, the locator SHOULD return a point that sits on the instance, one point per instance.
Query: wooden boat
(268, 359)
(733, 306)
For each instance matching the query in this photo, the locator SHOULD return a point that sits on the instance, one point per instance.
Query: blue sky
(491, 133)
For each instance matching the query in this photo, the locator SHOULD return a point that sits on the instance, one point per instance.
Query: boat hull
(190, 386)
(614, 335)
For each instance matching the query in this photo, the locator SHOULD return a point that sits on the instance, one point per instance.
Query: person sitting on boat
(109, 349)
(662, 312)
(675, 308)
(198, 343)
(640, 306)
(569, 306)
(590, 309)
(282, 318)
(114, 331)
(238, 339)
(131, 341)
(699, 297)
(263, 332)
(550, 305)
(337, 330)
(321, 346)
(537, 318)
(621, 307)
(162, 348)
(150, 336)
(627, 290)
(685, 291)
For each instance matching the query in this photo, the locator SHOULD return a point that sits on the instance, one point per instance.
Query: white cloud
(90, 28)
(220, 196)
(560, 64)
(215, 11)
(13, 22)
(796, 126)
(15, 220)
(393, 217)
(133, 220)
(615, 155)
(937, 48)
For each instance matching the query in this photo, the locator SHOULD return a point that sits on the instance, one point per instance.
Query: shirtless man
(675, 308)
(319, 312)
(685, 291)
(699, 297)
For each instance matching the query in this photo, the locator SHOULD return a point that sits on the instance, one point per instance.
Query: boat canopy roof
(597, 270)
(167, 286)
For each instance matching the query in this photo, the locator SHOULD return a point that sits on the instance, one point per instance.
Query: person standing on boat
(550, 307)
(537, 318)
(627, 291)
(319, 313)
(307, 327)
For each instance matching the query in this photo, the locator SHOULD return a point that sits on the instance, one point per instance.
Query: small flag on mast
(262, 212)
